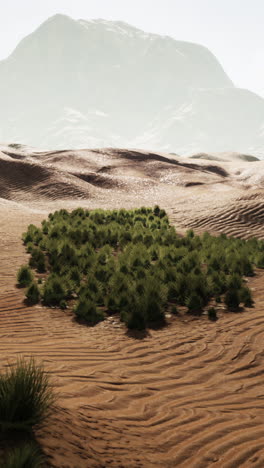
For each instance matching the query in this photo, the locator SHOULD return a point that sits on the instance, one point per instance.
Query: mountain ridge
(96, 83)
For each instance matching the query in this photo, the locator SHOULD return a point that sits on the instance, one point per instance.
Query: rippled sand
(188, 395)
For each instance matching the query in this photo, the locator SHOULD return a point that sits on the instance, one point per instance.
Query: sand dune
(225, 156)
(189, 395)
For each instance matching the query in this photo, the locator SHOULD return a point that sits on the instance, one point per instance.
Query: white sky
(232, 29)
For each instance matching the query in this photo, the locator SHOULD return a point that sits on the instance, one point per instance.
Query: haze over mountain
(101, 83)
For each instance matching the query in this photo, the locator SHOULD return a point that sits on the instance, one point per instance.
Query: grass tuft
(25, 396)
(27, 456)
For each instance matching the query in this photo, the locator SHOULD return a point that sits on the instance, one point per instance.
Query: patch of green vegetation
(212, 315)
(133, 263)
(33, 294)
(24, 276)
(25, 396)
(26, 456)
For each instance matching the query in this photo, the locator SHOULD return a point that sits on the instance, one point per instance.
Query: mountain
(77, 83)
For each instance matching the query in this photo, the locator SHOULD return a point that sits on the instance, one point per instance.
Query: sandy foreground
(188, 395)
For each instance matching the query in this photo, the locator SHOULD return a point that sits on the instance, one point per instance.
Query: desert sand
(188, 395)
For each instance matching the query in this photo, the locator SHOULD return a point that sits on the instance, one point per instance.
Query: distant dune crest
(215, 192)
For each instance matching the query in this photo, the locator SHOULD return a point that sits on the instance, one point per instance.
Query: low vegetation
(26, 456)
(25, 396)
(24, 276)
(133, 263)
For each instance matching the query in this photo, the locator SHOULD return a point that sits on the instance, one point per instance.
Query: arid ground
(188, 395)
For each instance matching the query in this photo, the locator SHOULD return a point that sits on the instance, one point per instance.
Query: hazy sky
(232, 29)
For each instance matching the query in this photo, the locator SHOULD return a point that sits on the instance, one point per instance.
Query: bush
(194, 303)
(75, 276)
(54, 291)
(25, 396)
(24, 276)
(86, 310)
(154, 310)
(260, 260)
(246, 297)
(136, 314)
(155, 298)
(156, 210)
(112, 303)
(232, 299)
(33, 294)
(63, 305)
(27, 456)
(37, 260)
(234, 281)
(212, 315)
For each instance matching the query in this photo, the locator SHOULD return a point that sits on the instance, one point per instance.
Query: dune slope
(189, 395)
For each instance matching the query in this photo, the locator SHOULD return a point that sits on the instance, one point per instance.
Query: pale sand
(189, 395)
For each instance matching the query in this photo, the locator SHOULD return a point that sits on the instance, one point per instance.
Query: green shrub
(26, 456)
(135, 317)
(246, 296)
(194, 303)
(75, 276)
(37, 260)
(24, 276)
(86, 310)
(234, 281)
(156, 210)
(212, 315)
(33, 294)
(54, 291)
(154, 310)
(173, 292)
(232, 299)
(102, 274)
(25, 396)
(247, 267)
(260, 260)
(29, 247)
(112, 302)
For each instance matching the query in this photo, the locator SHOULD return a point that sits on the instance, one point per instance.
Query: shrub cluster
(132, 262)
